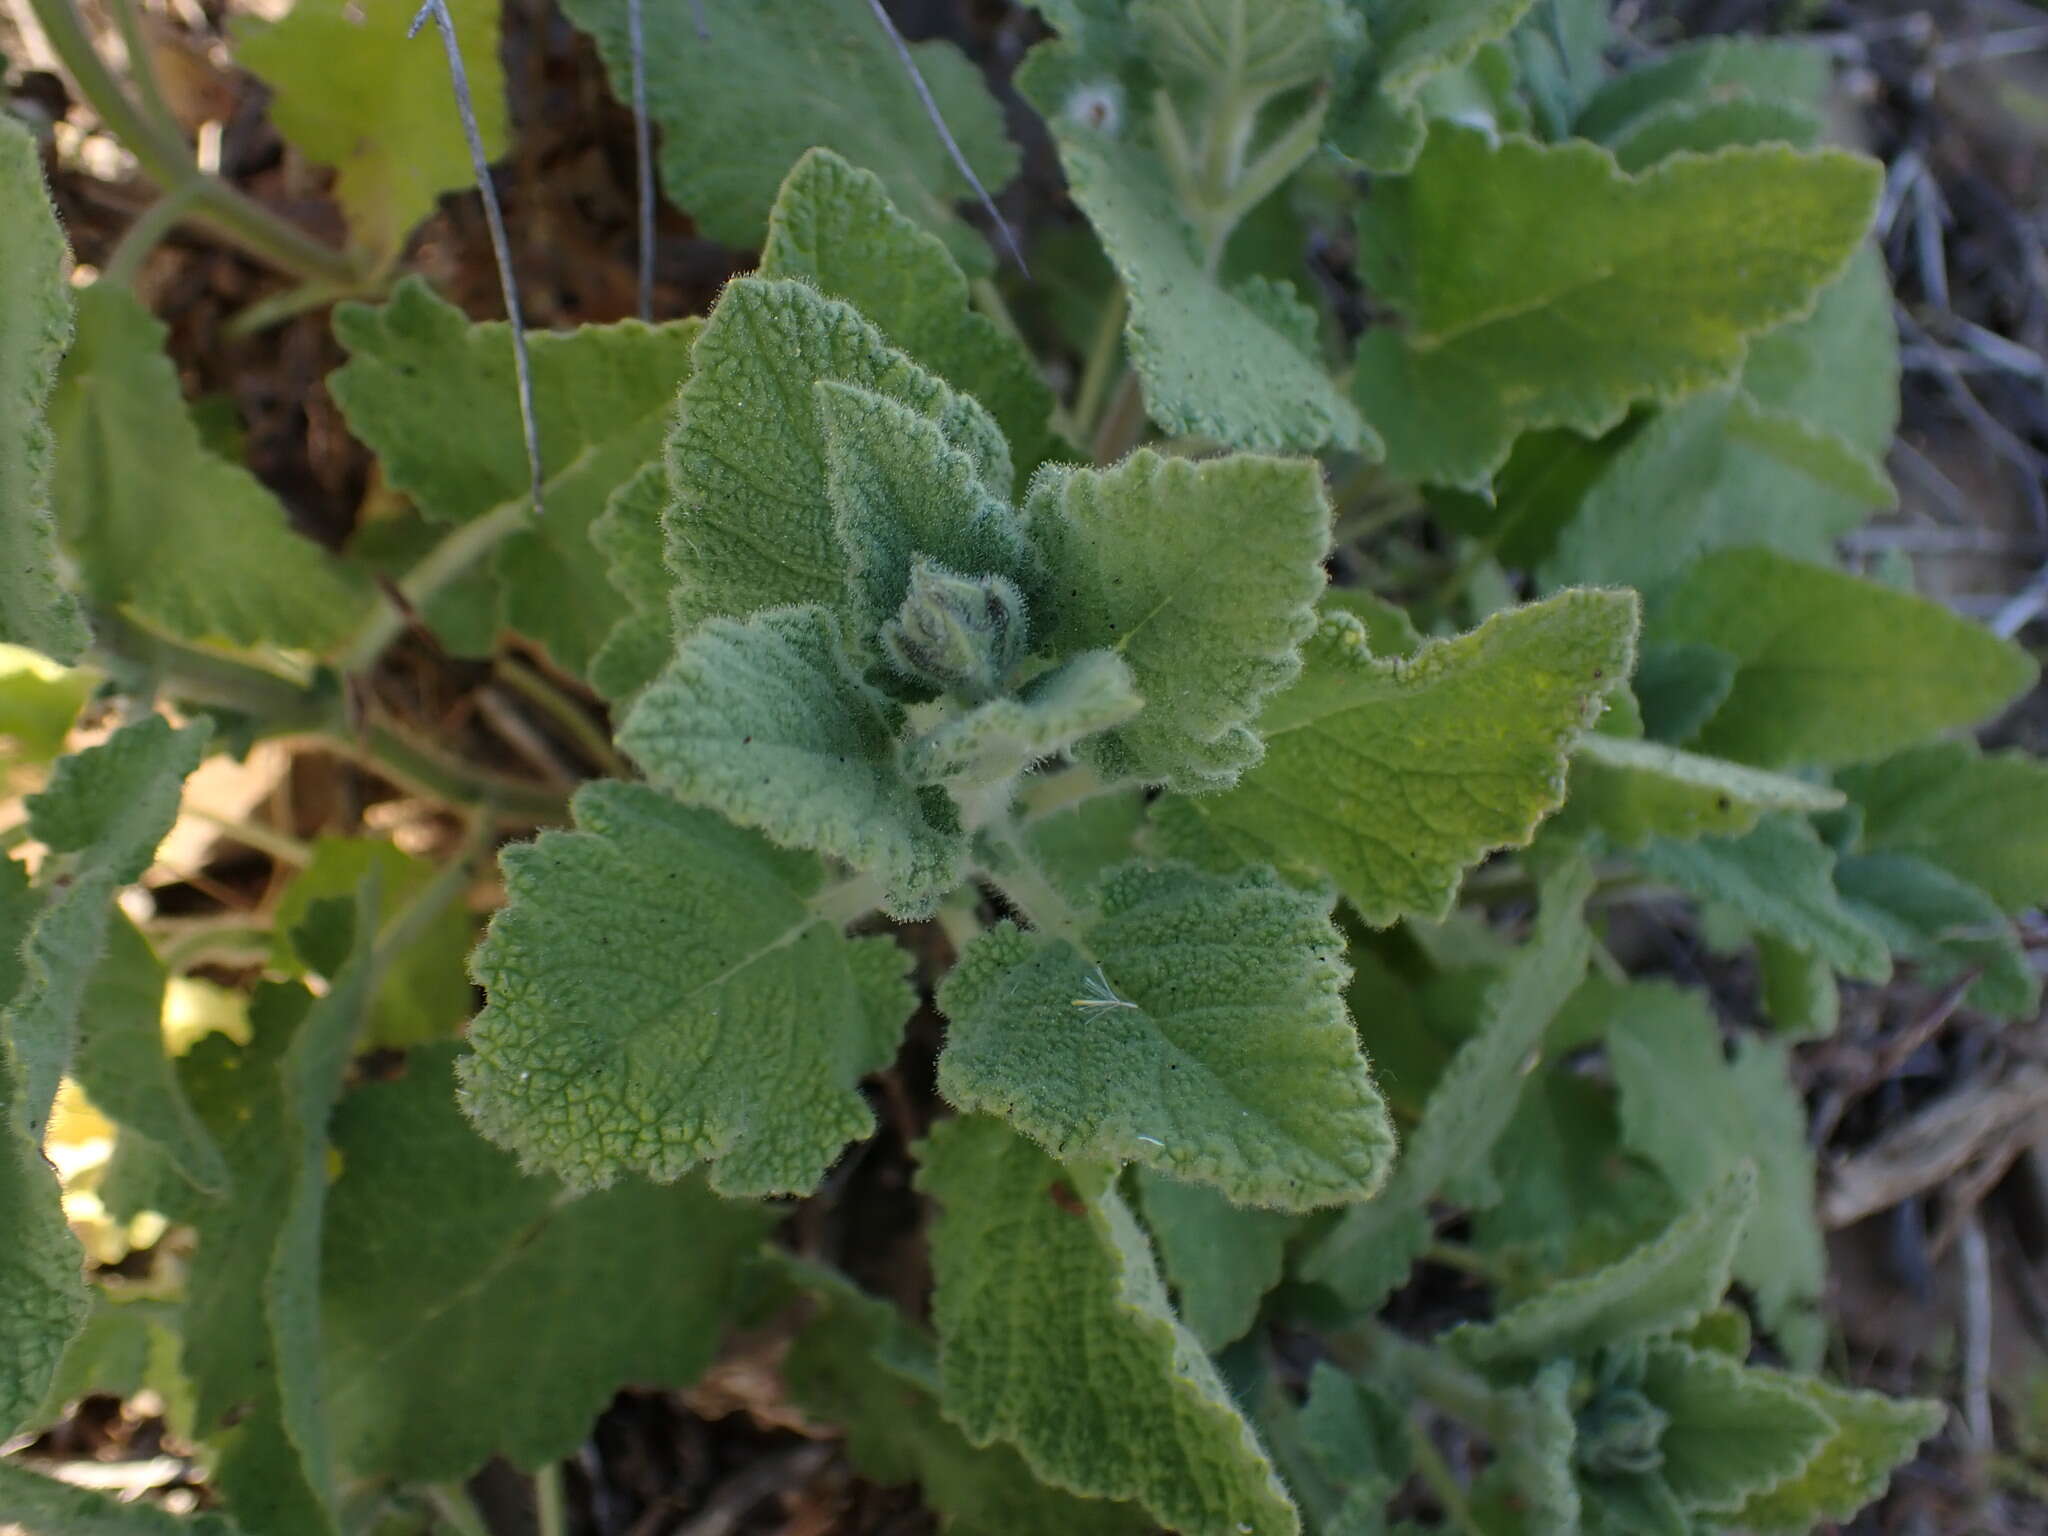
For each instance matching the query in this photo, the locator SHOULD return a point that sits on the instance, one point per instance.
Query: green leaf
(1712, 70)
(35, 325)
(661, 996)
(768, 723)
(1380, 120)
(1778, 877)
(1654, 296)
(1534, 1446)
(1074, 844)
(628, 534)
(1947, 926)
(1660, 1286)
(1698, 1117)
(1000, 739)
(738, 102)
(1212, 365)
(1634, 790)
(834, 227)
(1833, 669)
(1345, 1452)
(1396, 775)
(425, 1280)
(1797, 990)
(120, 1060)
(1134, 1041)
(42, 1506)
(1258, 49)
(1982, 818)
(861, 1364)
(1103, 1393)
(433, 396)
(1872, 1434)
(39, 703)
(158, 523)
(1220, 1258)
(751, 524)
(350, 89)
(1367, 1254)
(1203, 577)
(1703, 127)
(1733, 1432)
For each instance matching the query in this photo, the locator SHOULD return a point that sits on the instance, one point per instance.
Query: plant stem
(426, 770)
(1046, 794)
(550, 1515)
(441, 565)
(144, 235)
(166, 160)
(454, 1508)
(1436, 1474)
(570, 717)
(434, 898)
(1026, 887)
(1104, 349)
(1122, 423)
(240, 943)
(282, 847)
(142, 68)
(848, 900)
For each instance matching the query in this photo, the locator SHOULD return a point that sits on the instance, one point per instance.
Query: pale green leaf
(1395, 775)
(160, 524)
(737, 104)
(1733, 1432)
(1345, 1452)
(433, 396)
(834, 226)
(1102, 1391)
(1228, 1060)
(1073, 844)
(1982, 818)
(768, 723)
(1203, 577)
(628, 534)
(1833, 669)
(1779, 877)
(661, 996)
(1367, 1254)
(1697, 1117)
(1797, 989)
(352, 90)
(1711, 70)
(35, 1505)
(1535, 1441)
(35, 325)
(1518, 322)
(1872, 1434)
(125, 1346)
(1256, 47)
(1000, 739)
(751, 523)
(1660, 1286)
(1946, 925)
(1220, 1258)
(1702, 127)
(1559, 49)
(1211, 365)
(1380, 118)
(39, 703)
(1634, 790)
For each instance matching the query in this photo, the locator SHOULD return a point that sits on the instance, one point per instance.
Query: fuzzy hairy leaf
(1946, 925)
(425, 1279)
(737, 104)
(1212, 365)
(1981, 817)
(1220, 1258)
(1103, 1393)
(767, 722)
(1380, 120)
(1000, 739)
(1833, 669)
(1394, 775)
(35, 325)
(432, 395)
(1367, 1254)
(1661, 1286)
(42, 1506)
(1635, 790)
(1345, 1451)
(352, 90)
(1733, 1432)
(1871, 1435)
(751, 525)
(1516, 322)
(1228, 1060)
(1203, 578)
(1260, 47)
(157, 521)
(660, 996)
(833, 226)
(1698, 1117)
(628, 534)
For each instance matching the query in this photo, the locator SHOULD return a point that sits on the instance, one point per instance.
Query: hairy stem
(1027, 888)
(444, 563)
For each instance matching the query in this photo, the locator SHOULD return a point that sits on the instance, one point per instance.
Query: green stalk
(1026, 887)
(1104, 348)
(444, 563)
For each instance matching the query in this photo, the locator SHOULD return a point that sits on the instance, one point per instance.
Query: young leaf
(1661, 1286)
(158, 522)
(1984, 819)
(768, 723)
(1834, 669)
(1395, 775)
(1103, 1392)
(1379, 120)
(628, 534)
(661, 996)
(1211, 364)
(1220, 1258)
(35, 325)
(426, 1278)
(1717, 69)
(350, 89)
(1654, 297)
(1196, 1026)
(834, 227)
(1732, 1432)
(1697, 1117)
(1948, 926)
(740, 100)
(1702, 127)
(1345, 1452)
(1635, 790)
(1367, 1254)
(43, 1506)
(1778, 877)
(1157, 560)
(1871, 1435)
(432, 395)
(752, 524)
(1000, 739)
